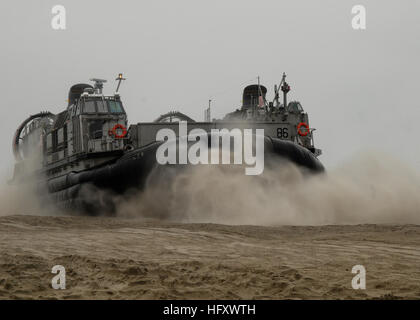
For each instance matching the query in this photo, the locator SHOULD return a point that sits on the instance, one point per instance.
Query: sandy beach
(112, 258)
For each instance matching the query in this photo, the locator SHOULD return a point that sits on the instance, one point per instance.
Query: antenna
(119, 79)
(207, 114)
(99, 84)
(261, 96)
(285, 88)
(277, 89)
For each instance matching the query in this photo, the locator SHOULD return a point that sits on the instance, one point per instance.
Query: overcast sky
(360, 88)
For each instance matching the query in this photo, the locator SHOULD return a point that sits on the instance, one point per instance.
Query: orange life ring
(114, 131)
(305, 125)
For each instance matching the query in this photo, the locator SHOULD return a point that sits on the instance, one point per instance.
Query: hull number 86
(283, 133)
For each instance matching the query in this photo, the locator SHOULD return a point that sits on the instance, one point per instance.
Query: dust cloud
(370, 188)
(20, 199)
(24, 197)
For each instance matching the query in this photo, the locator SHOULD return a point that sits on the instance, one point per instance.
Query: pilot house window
(295, 107)
(101, 106)
(115, 106)
(89, 107)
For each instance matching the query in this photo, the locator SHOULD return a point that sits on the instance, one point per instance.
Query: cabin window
(102, 108)
(89, 107)
(115, 106)
(295, 107)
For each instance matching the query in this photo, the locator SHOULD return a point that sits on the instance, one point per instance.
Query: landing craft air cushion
(90, 144)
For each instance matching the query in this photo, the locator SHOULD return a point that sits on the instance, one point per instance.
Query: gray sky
(360, 88)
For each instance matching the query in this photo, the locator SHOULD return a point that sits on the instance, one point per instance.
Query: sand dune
(131, 259)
